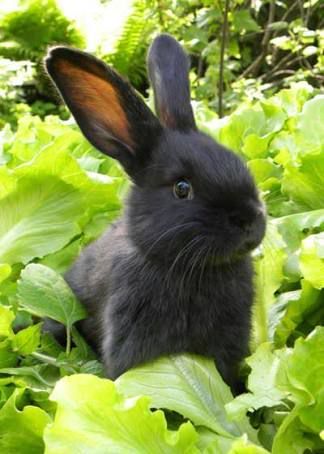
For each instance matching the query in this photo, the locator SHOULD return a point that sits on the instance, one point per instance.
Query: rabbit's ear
(168, 68)
(107, 109)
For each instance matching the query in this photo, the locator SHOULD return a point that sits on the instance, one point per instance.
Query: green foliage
(12, 76)
(22, 430)
(105, 422)
(192, 387)
(56, 194)
(129, 54)
(36, 24)
(25, 35)
(268, 45)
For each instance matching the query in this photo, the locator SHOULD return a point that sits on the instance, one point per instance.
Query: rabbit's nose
(246, 216)
(242, 220)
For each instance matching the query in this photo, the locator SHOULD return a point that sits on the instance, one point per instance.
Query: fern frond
(129, 53)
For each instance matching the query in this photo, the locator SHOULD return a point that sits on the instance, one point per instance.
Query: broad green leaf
(27, 340)
(302, 376)
(90, 163)
(61, 260)
(34, 377)
(243, 21)
(291, 438)
(243, 446)
(45, 293)
(189, 385)
(21, 431)
(7, 182)
(210, 443)
(311, 121)
(255, 146)
(311, 259)
(269, 276)
(99, 192)
(93, 417)
(39, 217)
(263, 169)
(52, 198)
(239, 125)
(292, 100)
(5, 271)
(303, 183)
(274, 114)
(6, 319)
(8, 358)
(291, 309)
(264, 365)
(294, 228)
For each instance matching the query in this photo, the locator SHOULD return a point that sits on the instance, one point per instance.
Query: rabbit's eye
(182, 189)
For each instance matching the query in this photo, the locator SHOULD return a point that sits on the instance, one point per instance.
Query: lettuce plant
(57, 194)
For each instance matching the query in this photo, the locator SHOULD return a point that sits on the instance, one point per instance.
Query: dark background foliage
(239, 49)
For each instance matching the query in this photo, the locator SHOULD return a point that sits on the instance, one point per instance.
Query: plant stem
(221, 62)
(256, 64)
(45, 358)
(68, 340)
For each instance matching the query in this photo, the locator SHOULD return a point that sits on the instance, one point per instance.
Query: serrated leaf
(93, 417)
(21, 431)
(189, 385)
(44, 292)
(27, 340)
(6, 319)
(264, 365)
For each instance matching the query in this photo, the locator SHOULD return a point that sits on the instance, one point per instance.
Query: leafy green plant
(129, 53)
(27, 32)
(268, 45)
(12, 76)
(56, 194)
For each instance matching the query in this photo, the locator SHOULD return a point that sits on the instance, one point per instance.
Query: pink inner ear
(96, 98)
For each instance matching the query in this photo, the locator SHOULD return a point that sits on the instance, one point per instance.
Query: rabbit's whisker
(172, 229)
(194, 261)
(185, 250)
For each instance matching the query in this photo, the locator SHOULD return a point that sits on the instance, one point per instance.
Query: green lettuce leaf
(93, 417)
(264, 365)
(6, 319)
(291, 437)
(301, 375)
(45, 293)
(311, 259)
(311, 121)
(302, 182)
(291, 310)
(52, 199)
(5, 271)
(269, 275)
(21, 431)
(189, 385)
(27, 340)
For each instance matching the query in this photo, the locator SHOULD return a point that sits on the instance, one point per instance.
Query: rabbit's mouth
(236, 255)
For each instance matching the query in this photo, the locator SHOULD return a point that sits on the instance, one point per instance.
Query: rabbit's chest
(144, 319)
(178, 315)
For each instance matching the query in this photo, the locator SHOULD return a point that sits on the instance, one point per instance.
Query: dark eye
(182, 189)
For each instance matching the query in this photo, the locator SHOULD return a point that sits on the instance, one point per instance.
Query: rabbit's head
(191, 196)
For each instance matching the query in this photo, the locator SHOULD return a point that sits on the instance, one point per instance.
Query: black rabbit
(174, 273)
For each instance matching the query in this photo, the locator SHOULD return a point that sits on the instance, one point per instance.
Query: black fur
(172, 275)
(168, 68)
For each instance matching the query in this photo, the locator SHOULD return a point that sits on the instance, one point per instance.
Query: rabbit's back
(90, 276)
